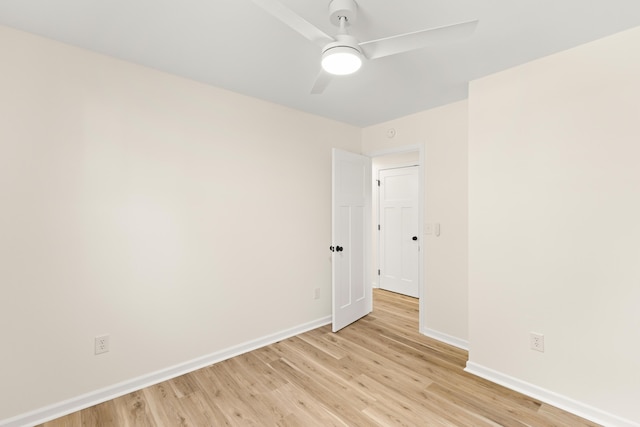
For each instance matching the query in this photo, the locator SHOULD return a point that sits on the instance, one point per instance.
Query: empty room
(433, 218)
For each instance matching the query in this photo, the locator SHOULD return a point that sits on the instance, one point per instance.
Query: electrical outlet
(316, 293)
(102, 344)
(537, 342)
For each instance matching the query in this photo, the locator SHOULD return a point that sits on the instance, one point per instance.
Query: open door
(351, 237)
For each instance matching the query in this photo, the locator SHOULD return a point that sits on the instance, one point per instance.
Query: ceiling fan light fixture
(341, 60)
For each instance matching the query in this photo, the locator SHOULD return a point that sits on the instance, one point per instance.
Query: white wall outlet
(102, 344)
(537, 342)
(316, 293)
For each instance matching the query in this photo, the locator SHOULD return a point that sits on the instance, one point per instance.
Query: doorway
(401, 157)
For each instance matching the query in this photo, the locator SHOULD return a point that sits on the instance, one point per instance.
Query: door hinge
(378, 272)
(378, 182)
(378, 227)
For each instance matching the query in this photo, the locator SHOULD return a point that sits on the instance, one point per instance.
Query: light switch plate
(428, 228)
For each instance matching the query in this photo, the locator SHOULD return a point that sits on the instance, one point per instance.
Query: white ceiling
(235, 45)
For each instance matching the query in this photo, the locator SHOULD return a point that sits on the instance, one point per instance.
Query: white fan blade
(416, 40)
(295, 21)
(321, 83)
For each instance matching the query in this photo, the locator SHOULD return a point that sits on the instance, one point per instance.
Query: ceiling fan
(343, 54)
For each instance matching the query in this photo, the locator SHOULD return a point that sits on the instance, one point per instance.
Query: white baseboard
(447, 339)
(565, 403)
(60, 409)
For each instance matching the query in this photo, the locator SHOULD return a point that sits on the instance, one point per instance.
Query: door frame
(420, 148)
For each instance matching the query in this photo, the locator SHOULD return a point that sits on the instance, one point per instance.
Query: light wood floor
(377, 372)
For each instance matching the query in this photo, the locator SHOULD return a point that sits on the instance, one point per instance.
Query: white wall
(443, 131)
(178, 218)
(554, 226)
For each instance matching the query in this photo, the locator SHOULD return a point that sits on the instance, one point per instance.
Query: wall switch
(102, 344)
(316, 293)
(537, 342)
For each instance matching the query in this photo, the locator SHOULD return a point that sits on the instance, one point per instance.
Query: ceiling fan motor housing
(344, 40)
(342, 8)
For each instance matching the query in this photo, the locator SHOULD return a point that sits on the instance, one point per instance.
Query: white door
(351, 231)
(399, 240)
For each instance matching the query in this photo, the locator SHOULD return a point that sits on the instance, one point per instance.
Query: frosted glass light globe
(341, 60)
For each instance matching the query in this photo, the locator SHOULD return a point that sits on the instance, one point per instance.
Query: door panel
(351, 219)
(341, 290)
(399, 252)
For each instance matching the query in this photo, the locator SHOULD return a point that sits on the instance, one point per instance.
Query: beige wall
(178, 218)
(554, 229)
(443, 134)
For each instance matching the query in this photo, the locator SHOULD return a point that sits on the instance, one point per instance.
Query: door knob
(339, 248)
(331, 248)
(414, 238)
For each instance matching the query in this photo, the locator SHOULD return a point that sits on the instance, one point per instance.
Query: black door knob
(414, 238)
(339, 248)
(331, 248)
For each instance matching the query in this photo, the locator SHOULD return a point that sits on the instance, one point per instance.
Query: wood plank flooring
(378, 371)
